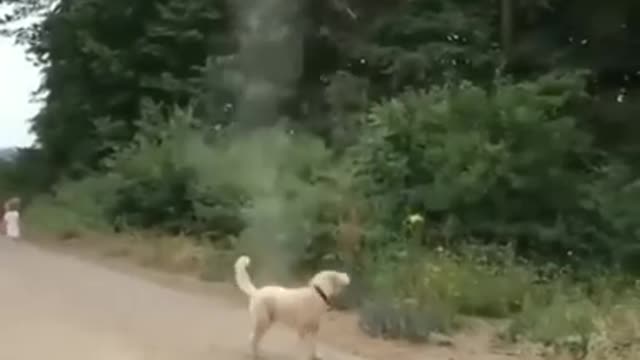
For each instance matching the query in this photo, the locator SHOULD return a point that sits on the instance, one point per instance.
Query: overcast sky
(18, 79)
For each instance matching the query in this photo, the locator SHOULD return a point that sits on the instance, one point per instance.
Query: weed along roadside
(516, 314)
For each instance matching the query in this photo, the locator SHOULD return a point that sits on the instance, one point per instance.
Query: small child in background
(12, 218)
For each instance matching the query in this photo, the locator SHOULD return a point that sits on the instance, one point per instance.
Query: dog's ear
(341, 280)
(345, 278)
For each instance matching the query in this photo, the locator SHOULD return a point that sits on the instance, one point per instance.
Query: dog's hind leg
(261, 324)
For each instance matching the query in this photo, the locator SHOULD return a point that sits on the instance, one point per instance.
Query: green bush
(469, 283)
(383, 319)
(477, 289)
(417, 293)
(501, 166)
(289, 181)
(159, 185)
(507, 165)
(567, 320)
(273, 193)
(75, 207)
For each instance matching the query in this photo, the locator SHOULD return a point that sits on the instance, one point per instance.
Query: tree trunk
(506, 29)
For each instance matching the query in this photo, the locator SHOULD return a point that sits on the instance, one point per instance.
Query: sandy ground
(59, 307)
(73, 305)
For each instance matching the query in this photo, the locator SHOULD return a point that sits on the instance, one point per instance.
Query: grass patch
(48, 216)
(617, 333)
(427, 292)
(384, 319)
(477, 288)
(567, 322)
(470, 283)
(218, 265)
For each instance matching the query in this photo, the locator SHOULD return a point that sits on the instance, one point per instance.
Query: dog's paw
(254, 356)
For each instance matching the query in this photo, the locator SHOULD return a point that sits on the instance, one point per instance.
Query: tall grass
(419, 293)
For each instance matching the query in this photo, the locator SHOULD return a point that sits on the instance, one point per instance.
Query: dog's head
(331, 282)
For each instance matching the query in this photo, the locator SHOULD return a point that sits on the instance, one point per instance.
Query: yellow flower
(415, 218)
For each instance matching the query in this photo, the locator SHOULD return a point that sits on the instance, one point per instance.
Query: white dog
(300, 308)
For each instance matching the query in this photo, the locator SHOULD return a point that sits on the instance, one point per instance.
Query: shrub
(404, 321)
(568, 318)
(477, 289)
(288, 181)
(470, 283)
(499, 166)
(159, 188)
(275, 193)
(595, 326)
(75, 207)
(617, 333)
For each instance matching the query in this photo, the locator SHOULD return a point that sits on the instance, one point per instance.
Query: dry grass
(617, 335)
(173, 254)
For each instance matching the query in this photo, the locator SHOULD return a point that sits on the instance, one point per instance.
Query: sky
(18, 79)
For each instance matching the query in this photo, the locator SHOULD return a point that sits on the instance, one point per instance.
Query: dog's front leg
(308, 336)
(313, 353)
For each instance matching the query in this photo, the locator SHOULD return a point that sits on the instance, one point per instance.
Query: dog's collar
(324, 296)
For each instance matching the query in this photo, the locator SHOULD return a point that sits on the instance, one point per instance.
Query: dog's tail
(242, 276)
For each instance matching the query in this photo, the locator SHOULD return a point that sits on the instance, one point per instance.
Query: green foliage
(286, 179)
(96, 77)
(483, 283)
(273, 190)
(160, 115)
(508, 165)
(21, 174)
(102, 58)
(418, 293)
(425, 42)
(404, 321)
(477, 288)
(75, 207)
(566, 317)
(156, 181)
(571, 321)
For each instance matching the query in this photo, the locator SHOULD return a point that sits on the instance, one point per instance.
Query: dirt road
(58, 307)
